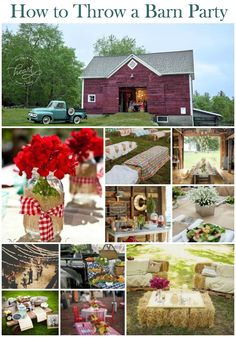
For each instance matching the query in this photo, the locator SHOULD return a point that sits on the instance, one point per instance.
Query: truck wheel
(46, 120)
(76, 120)
(71, 111)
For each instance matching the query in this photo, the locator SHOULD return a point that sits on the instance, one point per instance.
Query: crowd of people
(29, 276)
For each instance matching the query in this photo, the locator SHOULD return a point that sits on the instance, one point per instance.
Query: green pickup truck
(57, 112)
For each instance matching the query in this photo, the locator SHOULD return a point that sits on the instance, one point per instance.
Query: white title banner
(121, 11)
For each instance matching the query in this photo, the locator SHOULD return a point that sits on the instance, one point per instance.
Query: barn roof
(165, 63)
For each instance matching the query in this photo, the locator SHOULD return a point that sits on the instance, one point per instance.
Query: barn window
(132, 64)
(163, 119)
(91, 98)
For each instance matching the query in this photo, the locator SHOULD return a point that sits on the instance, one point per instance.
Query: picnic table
(207, 174)
(88, 329)
(31, 315)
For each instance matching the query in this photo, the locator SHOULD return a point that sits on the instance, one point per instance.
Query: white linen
(40, 314)
(225, 270)
(220, 284)
(137, 267)
(121, 174)
(139, 280)
(210, 272)
(154, 267)
(118, 150)
(25, 323)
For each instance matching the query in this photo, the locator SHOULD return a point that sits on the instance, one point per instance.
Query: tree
(224, 105)
(51, 67)
(112, 46)
(204, 143)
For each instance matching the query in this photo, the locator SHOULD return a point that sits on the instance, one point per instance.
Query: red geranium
(46, 154)
(85, 141)
(159, 283)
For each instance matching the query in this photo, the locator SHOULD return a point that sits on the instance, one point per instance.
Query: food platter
(204, 232)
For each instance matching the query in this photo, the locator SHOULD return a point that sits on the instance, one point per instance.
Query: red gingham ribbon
(30, 206)
(89, 180)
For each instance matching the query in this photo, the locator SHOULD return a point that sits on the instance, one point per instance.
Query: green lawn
(182, 259)
(39, 328)
(191, 158)
(18, 117)
(144, 143)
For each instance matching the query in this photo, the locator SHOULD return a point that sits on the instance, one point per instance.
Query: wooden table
(208, 175)
(87, 329)
(224, 215)
(187, 316)
(116, 235)
(31, 315)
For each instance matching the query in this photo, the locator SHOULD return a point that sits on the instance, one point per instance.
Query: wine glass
(161, 220)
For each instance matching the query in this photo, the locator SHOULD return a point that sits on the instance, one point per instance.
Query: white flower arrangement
(204, 196)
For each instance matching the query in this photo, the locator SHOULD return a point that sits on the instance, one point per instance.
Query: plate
(185, 239)
(44, 305)
(16, 317)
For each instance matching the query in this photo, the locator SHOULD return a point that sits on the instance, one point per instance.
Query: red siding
(166, 94)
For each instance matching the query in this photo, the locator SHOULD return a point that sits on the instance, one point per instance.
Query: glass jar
(84, 185)
(48, 191)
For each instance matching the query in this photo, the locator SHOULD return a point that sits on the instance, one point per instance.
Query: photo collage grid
(117, 213)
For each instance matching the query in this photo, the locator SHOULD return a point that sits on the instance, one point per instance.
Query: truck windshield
(56, 105)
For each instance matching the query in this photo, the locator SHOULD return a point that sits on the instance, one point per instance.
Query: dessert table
(196, 312)
(149, 230)
(88, 329)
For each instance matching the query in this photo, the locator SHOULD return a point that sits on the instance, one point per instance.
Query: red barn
(157, 83)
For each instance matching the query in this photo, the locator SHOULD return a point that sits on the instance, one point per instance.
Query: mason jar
(48, 191)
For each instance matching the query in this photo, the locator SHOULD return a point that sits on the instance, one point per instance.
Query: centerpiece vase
(84, 186)
(48, 192)
(205, 211)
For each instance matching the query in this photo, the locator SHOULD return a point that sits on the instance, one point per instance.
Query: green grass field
(39, 328)
(18, 117)
(191, 158)
(144, 143)
(182, 260)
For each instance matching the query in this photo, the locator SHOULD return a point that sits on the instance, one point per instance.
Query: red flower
(46, 154)
(159, 283)
(83, 142)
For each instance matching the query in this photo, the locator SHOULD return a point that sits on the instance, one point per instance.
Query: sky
(212, 44)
